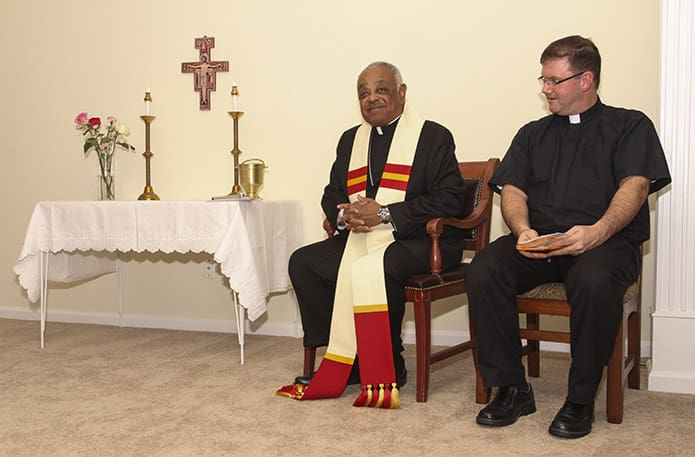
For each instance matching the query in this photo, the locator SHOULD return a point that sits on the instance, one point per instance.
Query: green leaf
(89, 144)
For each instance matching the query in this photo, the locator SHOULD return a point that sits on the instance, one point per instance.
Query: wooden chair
(423, 289)
(623, 366)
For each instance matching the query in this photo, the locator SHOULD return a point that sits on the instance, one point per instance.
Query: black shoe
(354, 378)
(401, 378)
(304, 380)
(573, 420)
(508, 405)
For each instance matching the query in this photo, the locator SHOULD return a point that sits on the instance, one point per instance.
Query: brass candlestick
(148, 194)
(236, 189)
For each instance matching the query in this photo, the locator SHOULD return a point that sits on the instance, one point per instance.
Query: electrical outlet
(210, 270)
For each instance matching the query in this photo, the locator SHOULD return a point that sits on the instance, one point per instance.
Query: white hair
(396, 72)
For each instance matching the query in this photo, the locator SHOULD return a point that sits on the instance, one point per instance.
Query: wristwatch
(384, 214)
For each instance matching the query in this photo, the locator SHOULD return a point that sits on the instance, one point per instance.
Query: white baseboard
(672, 367)
(439, 338)
(671, 381)
(141, 321)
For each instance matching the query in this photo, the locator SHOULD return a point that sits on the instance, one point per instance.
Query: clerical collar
(390, 127)
(586, 115)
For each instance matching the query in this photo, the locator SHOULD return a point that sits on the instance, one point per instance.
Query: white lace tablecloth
(251, 240)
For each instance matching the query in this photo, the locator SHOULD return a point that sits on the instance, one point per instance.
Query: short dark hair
(581, 52)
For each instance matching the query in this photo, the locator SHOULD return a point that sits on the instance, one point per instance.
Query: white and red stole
(360, 322)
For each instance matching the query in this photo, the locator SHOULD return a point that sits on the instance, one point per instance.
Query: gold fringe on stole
(365, 397)
(395, 397)
(385, 396)
(295, 391)
(380, 399)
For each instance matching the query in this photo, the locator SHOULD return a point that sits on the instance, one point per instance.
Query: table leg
(240, 323)
(119, 272)
(43, 274)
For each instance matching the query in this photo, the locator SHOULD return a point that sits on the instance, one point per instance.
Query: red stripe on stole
(396, 168)
(359, 186)
(357, 172)
(392, 184)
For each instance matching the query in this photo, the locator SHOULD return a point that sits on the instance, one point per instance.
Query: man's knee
(482, 270)
(594, 280)
(318, 259)
(400, 264)
(297, 263)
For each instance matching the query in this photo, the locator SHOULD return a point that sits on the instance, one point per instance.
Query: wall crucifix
(205, 70)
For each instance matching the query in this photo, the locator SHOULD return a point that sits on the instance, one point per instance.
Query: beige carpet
(108, 391)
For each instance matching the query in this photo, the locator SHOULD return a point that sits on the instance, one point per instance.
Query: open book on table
(543, 243)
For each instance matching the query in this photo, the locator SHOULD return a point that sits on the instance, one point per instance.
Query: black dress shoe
(304, 379)
(573, 420)
(402, 378)
(508, 405)
(354, 378)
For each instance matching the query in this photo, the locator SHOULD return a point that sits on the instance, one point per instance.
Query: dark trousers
(595, 281)
(313, 270)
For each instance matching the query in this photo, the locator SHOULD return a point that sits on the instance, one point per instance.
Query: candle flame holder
(148, 193)
(236, 188)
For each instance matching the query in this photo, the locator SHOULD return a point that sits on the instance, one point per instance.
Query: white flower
(122, 129)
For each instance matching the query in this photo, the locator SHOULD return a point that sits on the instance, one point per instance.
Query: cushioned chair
(623, 366)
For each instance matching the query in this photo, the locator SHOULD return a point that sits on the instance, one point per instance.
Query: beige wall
(470, 65)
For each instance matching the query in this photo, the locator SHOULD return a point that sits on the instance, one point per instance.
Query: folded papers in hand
(543, 243)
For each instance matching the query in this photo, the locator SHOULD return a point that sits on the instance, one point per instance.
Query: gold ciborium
(251, 173)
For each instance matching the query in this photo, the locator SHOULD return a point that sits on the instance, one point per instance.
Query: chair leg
(633, 347)
(533, 359)
(422, 312)
(309, 360)
(482, 393)
(614, 380)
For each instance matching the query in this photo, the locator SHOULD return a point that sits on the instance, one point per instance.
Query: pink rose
(81, 118)
(94, 121)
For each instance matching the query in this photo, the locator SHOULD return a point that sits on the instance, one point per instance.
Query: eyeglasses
(554, 82)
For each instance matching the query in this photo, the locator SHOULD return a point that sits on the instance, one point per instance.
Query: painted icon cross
(204, 71)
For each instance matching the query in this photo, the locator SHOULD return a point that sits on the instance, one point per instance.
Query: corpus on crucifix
(204, 71)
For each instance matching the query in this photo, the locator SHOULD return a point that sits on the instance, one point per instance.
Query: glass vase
(107, 185)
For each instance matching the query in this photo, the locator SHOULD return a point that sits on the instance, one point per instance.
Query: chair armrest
(328, 228)
(435, 227)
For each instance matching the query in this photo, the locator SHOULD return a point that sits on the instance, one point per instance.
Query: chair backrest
(478, 200)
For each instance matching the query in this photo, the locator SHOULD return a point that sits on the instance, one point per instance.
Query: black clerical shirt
(379, 145)
(570, 172)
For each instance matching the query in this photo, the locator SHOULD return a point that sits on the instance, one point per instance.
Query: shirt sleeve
(639, 153)
(514, 168)
(335, 191)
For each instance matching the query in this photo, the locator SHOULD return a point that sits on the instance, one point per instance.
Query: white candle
(235, 97)
(148, 102)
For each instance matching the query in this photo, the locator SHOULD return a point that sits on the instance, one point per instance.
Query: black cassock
(435, 188)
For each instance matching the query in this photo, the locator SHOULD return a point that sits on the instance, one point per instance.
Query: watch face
(384, 214)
